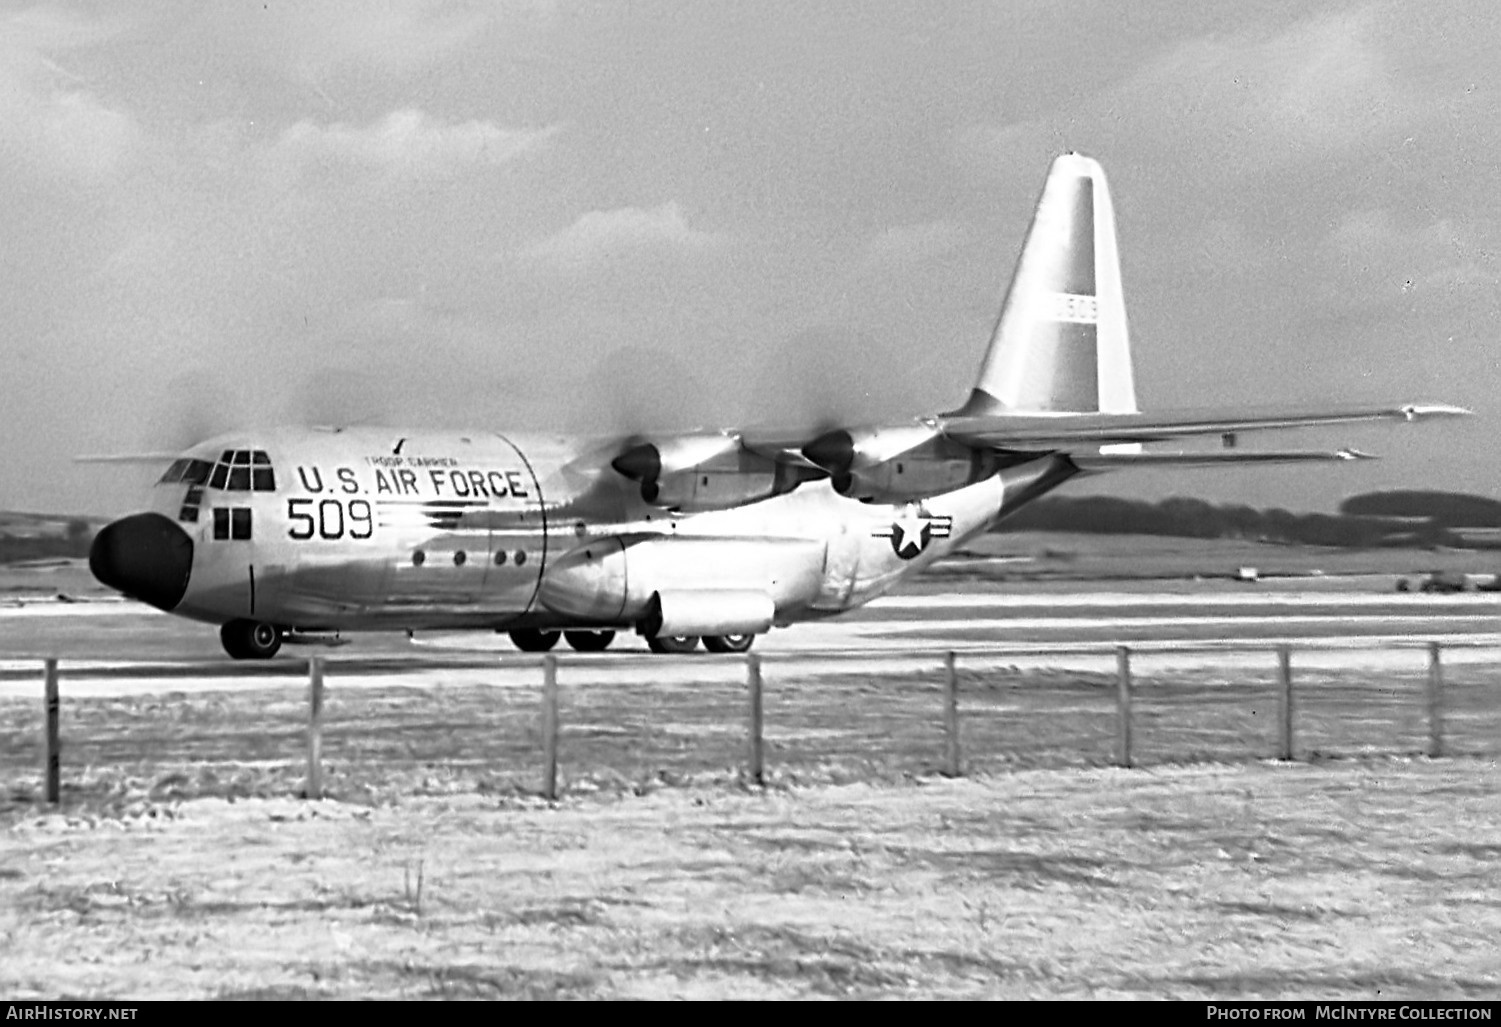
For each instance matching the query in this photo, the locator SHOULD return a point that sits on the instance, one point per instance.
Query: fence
(950, 755)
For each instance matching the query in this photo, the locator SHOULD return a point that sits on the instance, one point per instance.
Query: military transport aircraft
(297, 535)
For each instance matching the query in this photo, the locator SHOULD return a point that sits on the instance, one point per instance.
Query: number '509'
(329, 518)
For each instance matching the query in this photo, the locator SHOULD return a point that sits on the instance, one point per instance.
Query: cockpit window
(243, 470)
(194, 472)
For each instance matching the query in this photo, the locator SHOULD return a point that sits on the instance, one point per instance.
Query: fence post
(756, 752)
(550, 727)
(1284, 702)
(1123, 706)
(314, 789)
(950, 717)
(1435, 702)
(53, 755)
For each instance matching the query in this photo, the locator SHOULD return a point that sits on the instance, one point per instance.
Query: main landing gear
(589, 641)
(530, 640)
(672, 644)
(728, 643)
(688, 643)
(250, 639)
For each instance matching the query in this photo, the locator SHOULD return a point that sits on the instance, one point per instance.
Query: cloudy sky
(605, 216)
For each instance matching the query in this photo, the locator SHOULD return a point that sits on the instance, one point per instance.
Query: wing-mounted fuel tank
(682, 586)
(899, 464)
(697, 473)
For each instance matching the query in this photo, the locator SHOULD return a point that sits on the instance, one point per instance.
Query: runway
(119, 647)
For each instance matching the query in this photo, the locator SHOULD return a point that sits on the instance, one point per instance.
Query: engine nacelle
(899, 465)
(695, 473)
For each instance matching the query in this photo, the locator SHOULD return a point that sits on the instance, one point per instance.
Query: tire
(250, 639)
(530, 640)
(728, 643)
(670, 644)
(589, 641)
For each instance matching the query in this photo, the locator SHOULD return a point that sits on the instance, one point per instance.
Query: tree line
(1395, 518)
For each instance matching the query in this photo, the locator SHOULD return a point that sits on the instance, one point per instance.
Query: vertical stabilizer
(1061, 344)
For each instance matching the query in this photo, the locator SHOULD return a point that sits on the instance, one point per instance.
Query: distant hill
(38, 536)
(1451, 509)
(1195, 518)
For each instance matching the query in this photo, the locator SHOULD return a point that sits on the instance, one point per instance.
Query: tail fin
(1061, 344)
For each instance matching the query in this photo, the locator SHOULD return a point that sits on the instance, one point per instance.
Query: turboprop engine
(659, 583)
(695, 473)
(898, 465)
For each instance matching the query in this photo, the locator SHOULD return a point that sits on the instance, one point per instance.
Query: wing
(909, 461)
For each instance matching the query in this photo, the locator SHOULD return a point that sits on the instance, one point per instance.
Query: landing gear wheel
(728, 643)
(671, 644)
(250, 639)
(589, 641)
(529, 640)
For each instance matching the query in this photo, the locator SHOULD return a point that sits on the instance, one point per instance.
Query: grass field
(183, 865)
(1359, 880)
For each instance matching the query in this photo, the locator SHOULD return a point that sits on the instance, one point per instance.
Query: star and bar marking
(912, 530)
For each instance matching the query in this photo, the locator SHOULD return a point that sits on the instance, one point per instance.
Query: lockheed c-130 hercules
(298, 535)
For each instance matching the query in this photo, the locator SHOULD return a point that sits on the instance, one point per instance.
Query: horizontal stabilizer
(1112, 461)
(1024, 431)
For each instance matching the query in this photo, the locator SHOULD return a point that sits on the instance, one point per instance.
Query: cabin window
(232, 523)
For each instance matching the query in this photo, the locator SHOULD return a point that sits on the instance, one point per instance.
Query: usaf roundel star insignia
(913, 529)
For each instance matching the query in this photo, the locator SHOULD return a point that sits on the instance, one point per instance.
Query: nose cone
(146, 556)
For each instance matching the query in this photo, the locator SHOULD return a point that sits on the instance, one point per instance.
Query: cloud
(1382, 259)
(1322, 85)
(409, 143)
(312, 42)
(904, 244)
(49, 123)
(69, 133)
(600, 235)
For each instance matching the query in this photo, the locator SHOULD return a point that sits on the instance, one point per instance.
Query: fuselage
(367, 529)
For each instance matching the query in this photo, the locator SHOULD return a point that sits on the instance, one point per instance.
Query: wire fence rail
(964, 709)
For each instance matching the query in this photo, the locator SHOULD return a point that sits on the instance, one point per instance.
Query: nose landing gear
(250, 639)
